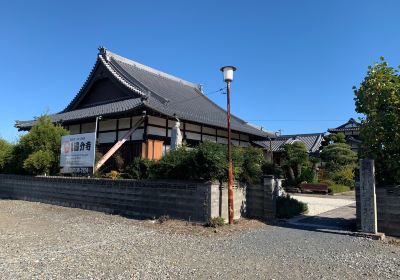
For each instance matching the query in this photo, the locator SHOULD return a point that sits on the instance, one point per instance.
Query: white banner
(78, 153)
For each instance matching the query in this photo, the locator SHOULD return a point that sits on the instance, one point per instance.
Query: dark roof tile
(312, 141)
(161, 92)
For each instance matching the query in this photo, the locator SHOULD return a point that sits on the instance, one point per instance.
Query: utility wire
(297, 120)
(199, 96)
(222, 91)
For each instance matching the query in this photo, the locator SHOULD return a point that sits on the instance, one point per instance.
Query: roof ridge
(82, 87)
(150, 69)
(316, 142)
(120, 77)
(304, 134)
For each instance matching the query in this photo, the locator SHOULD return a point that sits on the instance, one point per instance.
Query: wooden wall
(152, 139)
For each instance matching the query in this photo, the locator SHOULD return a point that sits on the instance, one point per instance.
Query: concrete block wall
(147, 199)
(261, 200)
(388, 210)
(219, 200)
(195, 201)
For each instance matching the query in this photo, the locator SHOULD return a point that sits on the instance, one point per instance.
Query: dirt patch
(189, 228)
(40, 217)
(393, 240)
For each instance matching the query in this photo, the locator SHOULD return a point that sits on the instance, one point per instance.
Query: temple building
(120, 90)
(312, 141)
(351, 130)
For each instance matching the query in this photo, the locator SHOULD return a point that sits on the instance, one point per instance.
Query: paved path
(322, 203)
(40, 241)
(327, 212)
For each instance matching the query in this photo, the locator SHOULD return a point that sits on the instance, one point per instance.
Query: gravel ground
(39, 241)
(320, 204)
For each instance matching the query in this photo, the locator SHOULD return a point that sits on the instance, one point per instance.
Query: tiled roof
(350, 125)
(312, 141)
(86, 113)
(159, 91)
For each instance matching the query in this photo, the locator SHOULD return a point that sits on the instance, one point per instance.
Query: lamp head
(228, 73)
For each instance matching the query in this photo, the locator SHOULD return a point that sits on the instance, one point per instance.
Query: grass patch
(215, 222)
(336, 188)
(288, 207)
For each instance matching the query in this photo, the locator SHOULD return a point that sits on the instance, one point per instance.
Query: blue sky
(297, 60)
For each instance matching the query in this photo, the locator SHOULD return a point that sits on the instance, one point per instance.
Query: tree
(338, 155)
(378, 99)
(332, 139)
(39, 162)
(340, 163)
(314, 161)
(38, 151)
(296, 157)
(253, 161)
(5, 154)
(336, 138)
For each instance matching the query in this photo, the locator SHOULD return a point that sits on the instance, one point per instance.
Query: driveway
(40, 241)
(318, 204)
(327, 212)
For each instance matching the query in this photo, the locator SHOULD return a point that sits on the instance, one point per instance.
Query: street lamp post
(228, 78)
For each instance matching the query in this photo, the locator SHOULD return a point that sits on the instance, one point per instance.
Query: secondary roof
(350, 125)
(311, 140)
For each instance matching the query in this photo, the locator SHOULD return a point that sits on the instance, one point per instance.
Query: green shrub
(208, 161)
(288, 207)
(41, 143)
(139, 169)
(336, 188)
(176, 164)
(39, 163)
(338, 155)
(5, 154)
(343, 176)
(253, 161)
(269, 168)
(215, 222)
(307, 175)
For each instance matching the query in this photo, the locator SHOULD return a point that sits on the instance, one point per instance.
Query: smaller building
(313, 142)
(351, 130)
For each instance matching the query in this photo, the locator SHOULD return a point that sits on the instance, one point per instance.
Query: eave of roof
(343, 129)
(87, 113)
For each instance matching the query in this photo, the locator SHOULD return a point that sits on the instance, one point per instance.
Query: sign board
(78, 153)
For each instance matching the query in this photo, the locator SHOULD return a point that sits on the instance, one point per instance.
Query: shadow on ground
(338, 221)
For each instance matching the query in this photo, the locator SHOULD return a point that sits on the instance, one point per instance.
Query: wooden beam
(118, 144)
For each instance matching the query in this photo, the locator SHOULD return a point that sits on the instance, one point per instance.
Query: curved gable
(102, 91)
